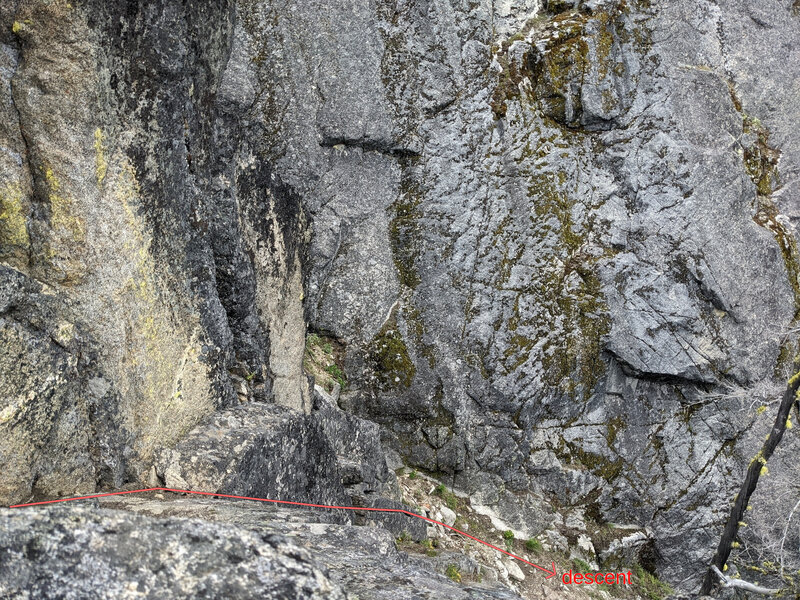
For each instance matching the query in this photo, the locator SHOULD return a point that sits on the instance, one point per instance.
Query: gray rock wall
(583, 211)
(133, 190)
(552, 237)
(77, 553)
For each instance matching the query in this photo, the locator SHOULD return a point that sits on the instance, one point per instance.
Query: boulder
(257, 450)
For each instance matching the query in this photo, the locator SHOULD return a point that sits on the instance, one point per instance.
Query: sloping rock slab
(145, 547)
(75, 552)
(363, 560)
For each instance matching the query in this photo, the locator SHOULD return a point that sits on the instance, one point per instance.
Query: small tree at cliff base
(757, 467)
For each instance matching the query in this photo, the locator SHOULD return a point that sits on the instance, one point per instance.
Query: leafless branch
(743, 585)
(754, 471)
(786, 531)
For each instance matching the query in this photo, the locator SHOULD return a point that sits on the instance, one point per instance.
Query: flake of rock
(448, 517)
(514, 571)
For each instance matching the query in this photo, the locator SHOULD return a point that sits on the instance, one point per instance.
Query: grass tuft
(453, 573)
(533, 545)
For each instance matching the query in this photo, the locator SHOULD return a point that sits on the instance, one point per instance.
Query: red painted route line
(550, 572)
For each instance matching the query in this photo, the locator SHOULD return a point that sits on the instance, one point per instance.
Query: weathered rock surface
(267, 451)
(61, 427)
(555, 239)
(366, 478)
(360, 458)
(197, 548)
(568, 316)
(84, 552)
(130, 188)
(256, 450)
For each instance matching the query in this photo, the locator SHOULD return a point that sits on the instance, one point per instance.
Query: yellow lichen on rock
(62, 217)
(13, 228)
(101, 166)
(164, 378)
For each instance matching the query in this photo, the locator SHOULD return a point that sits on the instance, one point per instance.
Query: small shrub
(533, 545)
(449, 497)
(320, 361)
(335, 372)
(453, 573)
(508, 536)
(413, 475)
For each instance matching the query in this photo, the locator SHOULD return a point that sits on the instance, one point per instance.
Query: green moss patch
(389, 357)
(323, 360)
(403, 229)
(761, 164)
(760, 160)
(650, 586)
(570, 291)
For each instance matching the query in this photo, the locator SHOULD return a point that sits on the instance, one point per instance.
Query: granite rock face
(591, 242)
(131, 190)
(255, 450)
(160, 548)
(62, 430)
(363, 469)
(555, 240)
(118, 555)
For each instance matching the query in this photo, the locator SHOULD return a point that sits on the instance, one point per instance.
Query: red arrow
(550, 572)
